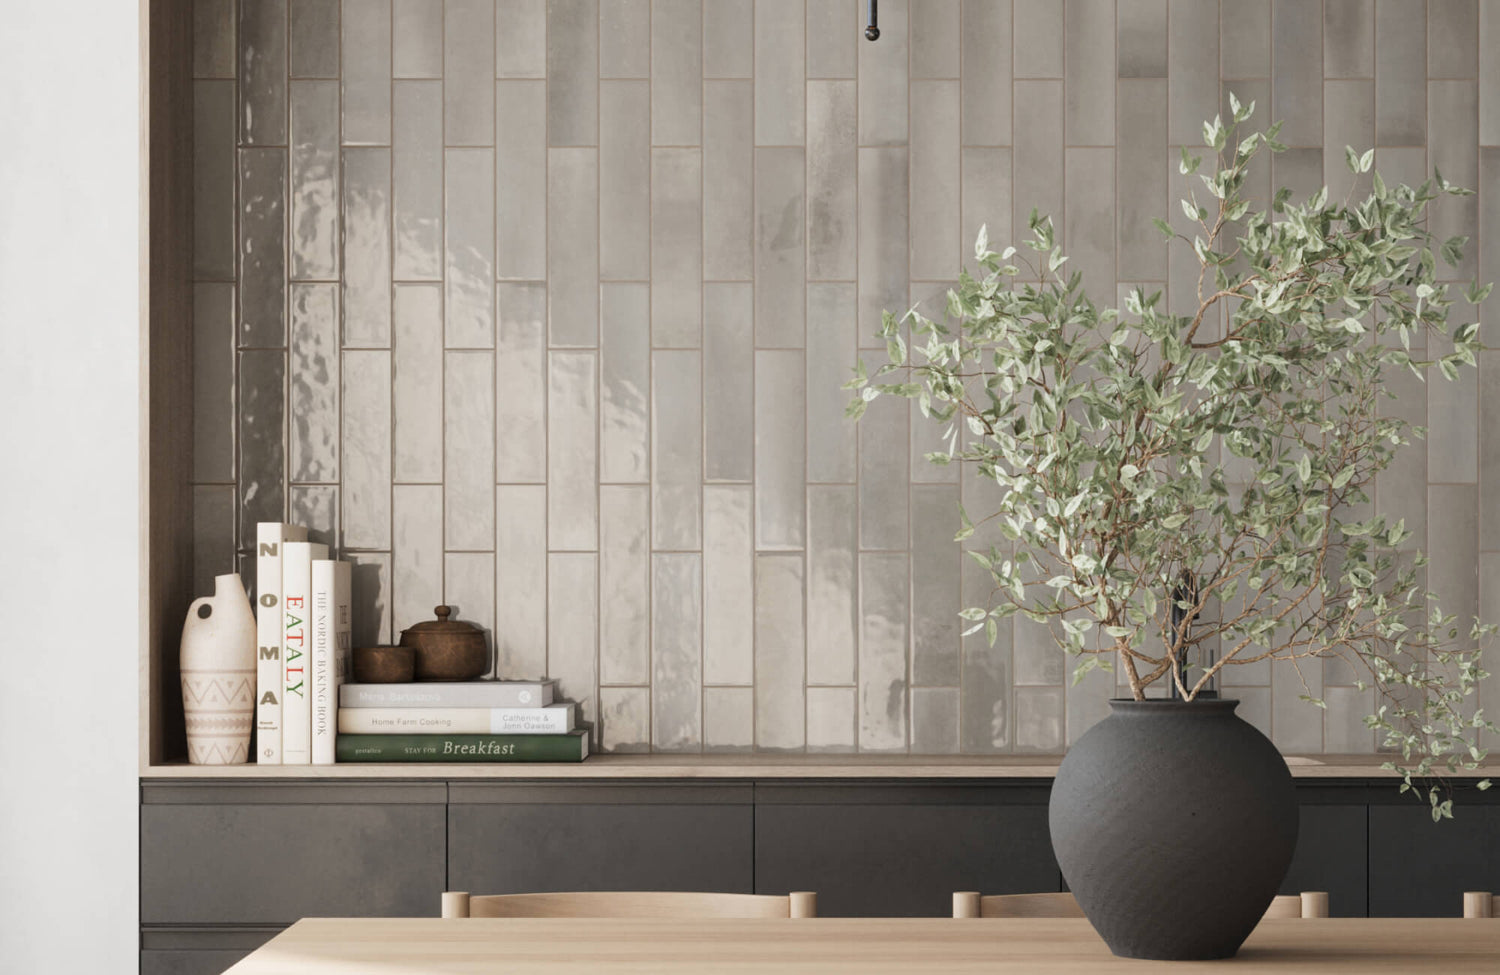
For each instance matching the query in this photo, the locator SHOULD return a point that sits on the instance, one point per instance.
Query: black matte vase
(1174, 825)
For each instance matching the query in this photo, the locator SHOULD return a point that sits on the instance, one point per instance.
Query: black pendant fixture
(872, 29)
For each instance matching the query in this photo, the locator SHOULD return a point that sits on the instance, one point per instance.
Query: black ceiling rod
(872, 30)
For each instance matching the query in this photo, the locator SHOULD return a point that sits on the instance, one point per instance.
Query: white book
(296, 607)
(330, 652)
(270, 536)
(554, 719)
(457, 694)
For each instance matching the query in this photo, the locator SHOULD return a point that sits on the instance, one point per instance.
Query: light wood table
(1008, 946)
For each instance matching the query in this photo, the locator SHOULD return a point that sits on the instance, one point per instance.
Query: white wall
(68, 485)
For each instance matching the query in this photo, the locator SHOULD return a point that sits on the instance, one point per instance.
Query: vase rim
(1155, 705)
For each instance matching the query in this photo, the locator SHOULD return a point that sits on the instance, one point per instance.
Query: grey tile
(883, 474)
(572, 73)
(832, 183)
(313, 377)
(573, 628)
(1039, 719)
(417, 180)
(1089, 230)
(1348, 120)
(370, 585)
(1141, 28)
(624, 584)
(1453, 434)
(832, 318)
(468, 450)
(213, 382)
(1296, 725)
(1038, 154)
(934, 721)
(625, 719)
(832, 585)
(213, 180)
(1245, 39)
(831, 724)
(1036, 659)
(625, 384)
(522, 41)
(833, 33)
(1489, 232)
(624, 39)
(468, 70)
(1089, 44)
(572, 456)
(728, 585)
(728, 719)
(935, 176)
(676, 449)
(780, 67)
(985, 697)
(676, 248)
(262, 277)
(883, 210)
(1489, 608)
(780, 653)
(987, 198)
(676, 72)
(366, 442)
(1087, 702)
(469, 248)
(728, 180)
(1349, 38)
(1400, 73)
(521, 384)
(729, 371)
(213, 40)
(469, 590)
(884, 632)
(1452, 126)
(780, 247)
(927, 434)
(1489, 74)
(365, 30)
(882, 80)
(726, 26)
(935, 586)
(987, 73)
(262, 419)
(1402, 487)
(1142, 165)
(315, 506)
(367, 248)
(417, 39)
(521, 181)
(780, 450)
(416, 553)
(1038, 39)
(1489, 453)
(934, 38)
(1344, 730)
(521, 581)
(1453, 39)
(314, 33)
(213, 535)
(676, 652)
(315, 180)
(624, 181)
(1255, 708)
(1300, 170)
(572, 246)
(1193, 71)
(263, 71)
(1297, 47)
(417, 384)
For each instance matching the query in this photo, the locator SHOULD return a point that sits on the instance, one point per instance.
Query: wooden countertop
(876, 946)
(757, 766)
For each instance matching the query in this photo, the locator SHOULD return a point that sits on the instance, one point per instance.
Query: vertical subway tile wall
(540, 308)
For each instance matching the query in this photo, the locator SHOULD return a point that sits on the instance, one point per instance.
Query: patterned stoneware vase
(218, 674)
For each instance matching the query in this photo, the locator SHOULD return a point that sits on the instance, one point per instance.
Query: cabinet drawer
(177, 951)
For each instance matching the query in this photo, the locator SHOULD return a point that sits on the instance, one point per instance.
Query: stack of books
(468, 721)
(302, 606)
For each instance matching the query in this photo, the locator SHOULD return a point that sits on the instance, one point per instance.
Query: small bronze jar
(447, 649)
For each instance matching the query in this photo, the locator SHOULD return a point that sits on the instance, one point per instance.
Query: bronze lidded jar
(447, 649)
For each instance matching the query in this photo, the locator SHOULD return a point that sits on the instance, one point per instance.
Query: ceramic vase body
(1174, 824)
(218, 674)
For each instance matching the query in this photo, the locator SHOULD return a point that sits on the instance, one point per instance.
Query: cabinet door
(273, 853)
(901, 850)
(199, 951)
(1419, 868)
(1332, 843)
(512, 838)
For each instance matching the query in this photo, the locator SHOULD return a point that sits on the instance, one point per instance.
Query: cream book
(554, 719)
(270, 536)
(296, 611)
(330, 652)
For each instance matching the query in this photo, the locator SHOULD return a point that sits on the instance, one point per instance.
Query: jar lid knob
(442, 613)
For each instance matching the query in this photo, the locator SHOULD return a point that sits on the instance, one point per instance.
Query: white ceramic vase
(218, 674)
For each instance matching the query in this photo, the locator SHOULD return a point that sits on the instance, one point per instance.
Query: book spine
(554, 720)
(270, 537)
(572, 747)
(323, 659)
(296, 698)
(464, 694)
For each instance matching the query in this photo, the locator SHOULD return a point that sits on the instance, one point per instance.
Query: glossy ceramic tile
(728, 585)
(884, 603)
(676, 450)
(625, 384)
(573, 630)
(573, 457)
(573, 72)
(1193, 59)
(676, 652)
(728, 719)
(1489, 75)
(366, 441)
(1297, 53)
(521, 42)
(883, 249)
(1349, 38)
(624, 39)
(313, 377)
(831, 719)
(365, 29)
(780, 247)
(832, 584)
(1453, 438)
(780, 450)
(935, 586)
(313, 29)
(315, 180)
(214, 173)
(370, 598)
(935, 38)
(417, 384)
(676, 248)
(1400, 73)
(417, 180)
(1089, 221)
(469, 591)
(882, 74)
(468, 450)
(263, 73)
(317, 507)
(934, 180)
(262, 419)
(468, 69)
(1245, 39)
(625, 719)
(884, 470)
(780, 66)
(1452, 130)
(262, 258)
(521, 581)
(832, 318)
(1452, 39)
(834, 28)
(417, 39)
(676, 72)
(213, 383)
(624, 584)
(934, 721)
(726, 25)
(728, 370)
(1348, 120)
(572, 250)
(1141, 38)
(986, 41)
(780, 652)
(985, 710)
(1039, 719)
(521, 384)
(986, 190)
(469, 248)
(1142, 162)
(1089, 47)
(832, 184)
(1489, 452)
(214, 39)
(728, 180)
(416, 553)
(624, 181)
(521, 181)
(367, 248)
(1038, 155)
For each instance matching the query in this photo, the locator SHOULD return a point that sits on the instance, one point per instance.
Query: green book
(570, 747)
